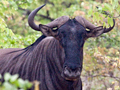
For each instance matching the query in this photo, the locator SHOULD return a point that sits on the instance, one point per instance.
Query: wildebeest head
(71, 33)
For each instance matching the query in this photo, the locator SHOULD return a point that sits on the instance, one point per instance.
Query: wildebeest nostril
(71, 74)
(66, 72)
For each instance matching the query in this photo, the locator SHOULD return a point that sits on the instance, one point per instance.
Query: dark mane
(28, 61)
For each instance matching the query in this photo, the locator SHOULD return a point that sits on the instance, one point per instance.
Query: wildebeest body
(45, 65)
(56, 58)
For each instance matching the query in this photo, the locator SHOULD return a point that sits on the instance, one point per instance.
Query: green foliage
(101, 55)
(9, 7)
(12, 82)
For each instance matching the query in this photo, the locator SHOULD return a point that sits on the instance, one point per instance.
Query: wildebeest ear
(95, 32)
(47, 31)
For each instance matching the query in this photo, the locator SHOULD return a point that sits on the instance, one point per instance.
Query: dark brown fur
(43, 62)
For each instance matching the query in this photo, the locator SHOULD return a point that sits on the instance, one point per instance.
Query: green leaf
(13, 78)
(110, 21)
(107, 7)
(118, 9)
(99, 9)
(7, 76)
(115, 4)
(8, 86)
(96, 14)
(104, 24)
(28, 84)
(90, 12)
(21, 83)
(30, 1)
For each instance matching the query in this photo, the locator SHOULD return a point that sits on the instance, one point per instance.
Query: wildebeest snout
(70, 74)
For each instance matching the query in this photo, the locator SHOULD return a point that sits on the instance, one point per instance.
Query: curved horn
(90, 26)
(110, 28)
(85, 22)
(31, 18)
(56, 23)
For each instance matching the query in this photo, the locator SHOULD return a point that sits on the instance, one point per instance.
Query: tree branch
(43, 16)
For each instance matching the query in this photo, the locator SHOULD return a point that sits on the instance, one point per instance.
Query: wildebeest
(55, 59)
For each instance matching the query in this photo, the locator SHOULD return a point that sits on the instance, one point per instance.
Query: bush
(13, 82)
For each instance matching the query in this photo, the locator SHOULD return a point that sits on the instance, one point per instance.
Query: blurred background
(101, 69)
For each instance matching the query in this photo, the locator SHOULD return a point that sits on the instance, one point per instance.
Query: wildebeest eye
(55, 28)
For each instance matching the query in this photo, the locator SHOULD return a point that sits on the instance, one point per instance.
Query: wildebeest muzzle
(71, 74)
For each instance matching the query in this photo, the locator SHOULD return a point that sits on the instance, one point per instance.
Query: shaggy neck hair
(41, 61)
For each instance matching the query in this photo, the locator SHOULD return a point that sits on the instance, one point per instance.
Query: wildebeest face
(71, 34)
